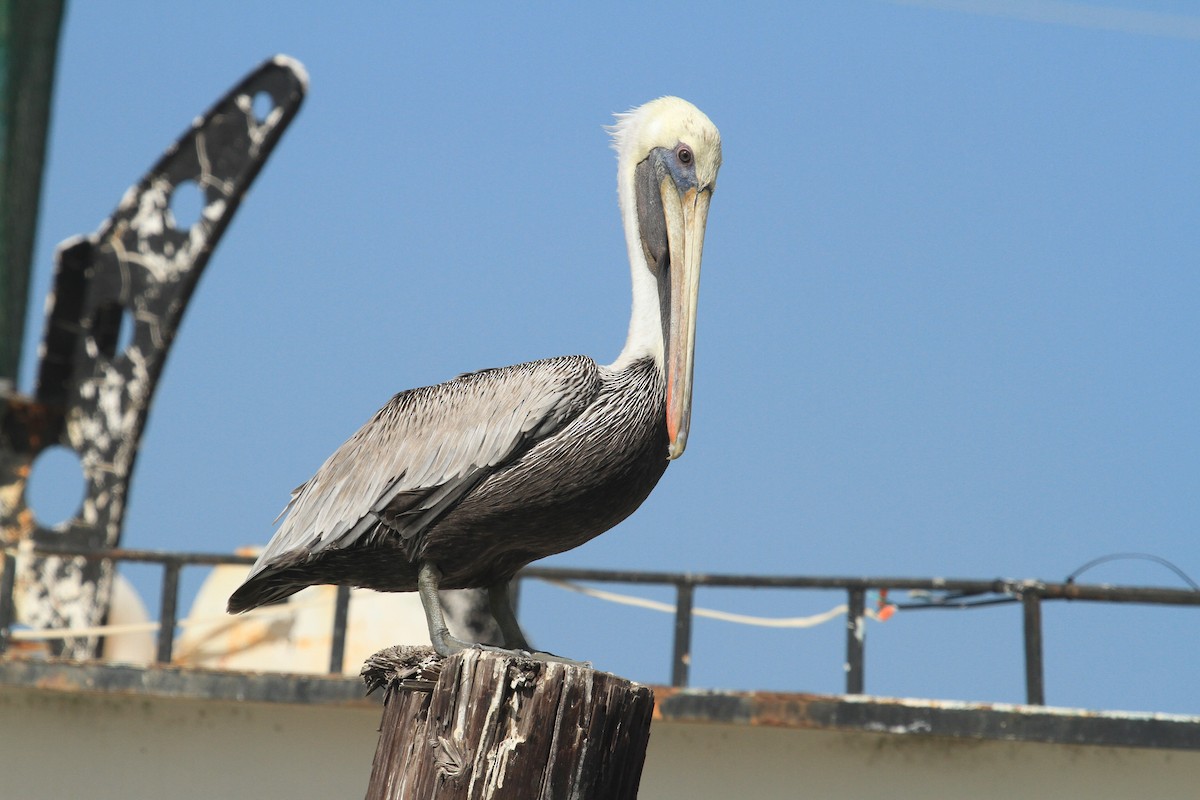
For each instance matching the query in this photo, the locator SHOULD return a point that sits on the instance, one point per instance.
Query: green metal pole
(28, 52)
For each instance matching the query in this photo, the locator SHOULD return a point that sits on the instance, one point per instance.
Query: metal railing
(953, 593)
(941, 593)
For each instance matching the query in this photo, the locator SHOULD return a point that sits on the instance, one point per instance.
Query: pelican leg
(443, 643)
(500, 602)
(446, 645)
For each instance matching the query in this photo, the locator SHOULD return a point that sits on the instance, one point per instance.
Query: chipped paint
(94, 399)
(919, 726)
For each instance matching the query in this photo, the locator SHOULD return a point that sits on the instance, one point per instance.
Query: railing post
(682, 658)
(856, 634)
(337, 642)
(7, 605)
(1035, 687)
(168, 613)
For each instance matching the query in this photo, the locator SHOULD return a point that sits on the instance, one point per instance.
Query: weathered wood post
(495, 726)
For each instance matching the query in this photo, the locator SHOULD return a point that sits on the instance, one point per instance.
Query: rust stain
(32, 426)
(767, 709)
(60, 682)
(663, 695)
(780, 710)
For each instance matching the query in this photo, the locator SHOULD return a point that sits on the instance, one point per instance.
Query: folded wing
(425, 450)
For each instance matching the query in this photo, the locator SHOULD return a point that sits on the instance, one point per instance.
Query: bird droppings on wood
(449, 757)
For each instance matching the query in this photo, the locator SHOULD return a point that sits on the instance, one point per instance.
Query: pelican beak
(686, 214)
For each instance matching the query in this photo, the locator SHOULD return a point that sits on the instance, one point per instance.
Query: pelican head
(668, 155)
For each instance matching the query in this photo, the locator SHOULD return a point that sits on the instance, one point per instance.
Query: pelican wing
(424, 450)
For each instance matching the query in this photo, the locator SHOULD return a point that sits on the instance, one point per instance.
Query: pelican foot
(532, 655)
(446, 645)
(553, 659)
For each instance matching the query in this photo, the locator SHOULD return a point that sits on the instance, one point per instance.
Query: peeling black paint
(93, 397)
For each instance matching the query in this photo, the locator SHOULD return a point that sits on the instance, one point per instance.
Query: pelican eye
(684, 154)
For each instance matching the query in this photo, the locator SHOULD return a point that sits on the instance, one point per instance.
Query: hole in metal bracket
(56, 486)
(112, 329)
(187, 204)
(262, 105)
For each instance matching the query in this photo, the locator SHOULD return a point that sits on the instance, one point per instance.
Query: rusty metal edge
(74, 677)
(860, 713)
(930, 718)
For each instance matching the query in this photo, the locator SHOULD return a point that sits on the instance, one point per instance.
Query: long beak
(686, 217)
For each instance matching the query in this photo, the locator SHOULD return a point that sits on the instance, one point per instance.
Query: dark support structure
(504, 728)
(681, 657)
(93, 389)
(1035, 687)
(169, 611)
(28, 54)
(7, 612)
(856, 640)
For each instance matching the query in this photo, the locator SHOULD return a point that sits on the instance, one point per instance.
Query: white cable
(725, 616)
(612, 597)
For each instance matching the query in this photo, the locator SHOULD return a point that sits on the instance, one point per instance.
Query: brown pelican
(462, 484)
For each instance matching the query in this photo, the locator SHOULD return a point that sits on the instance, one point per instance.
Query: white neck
(645, 339)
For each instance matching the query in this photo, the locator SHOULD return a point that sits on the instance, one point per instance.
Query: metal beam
(28, 55)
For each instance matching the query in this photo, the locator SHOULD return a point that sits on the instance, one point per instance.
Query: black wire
(1132, 556)
(960, 600)
(941, 603)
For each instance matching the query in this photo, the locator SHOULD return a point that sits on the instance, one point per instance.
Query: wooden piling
(496, 726)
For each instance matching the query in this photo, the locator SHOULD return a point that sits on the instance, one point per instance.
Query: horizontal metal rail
(961, 586)
(146, 556)
(956, 593)
(943, 593)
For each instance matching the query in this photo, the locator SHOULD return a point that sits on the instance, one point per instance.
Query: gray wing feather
(427, 448)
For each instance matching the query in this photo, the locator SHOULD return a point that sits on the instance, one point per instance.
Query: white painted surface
(55, 746)
(293, 636)
(104, 747)
(742, 762)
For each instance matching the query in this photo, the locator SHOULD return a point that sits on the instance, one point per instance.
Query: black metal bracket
(94, 391)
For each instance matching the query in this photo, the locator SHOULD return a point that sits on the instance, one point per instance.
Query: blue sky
(948, 320)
